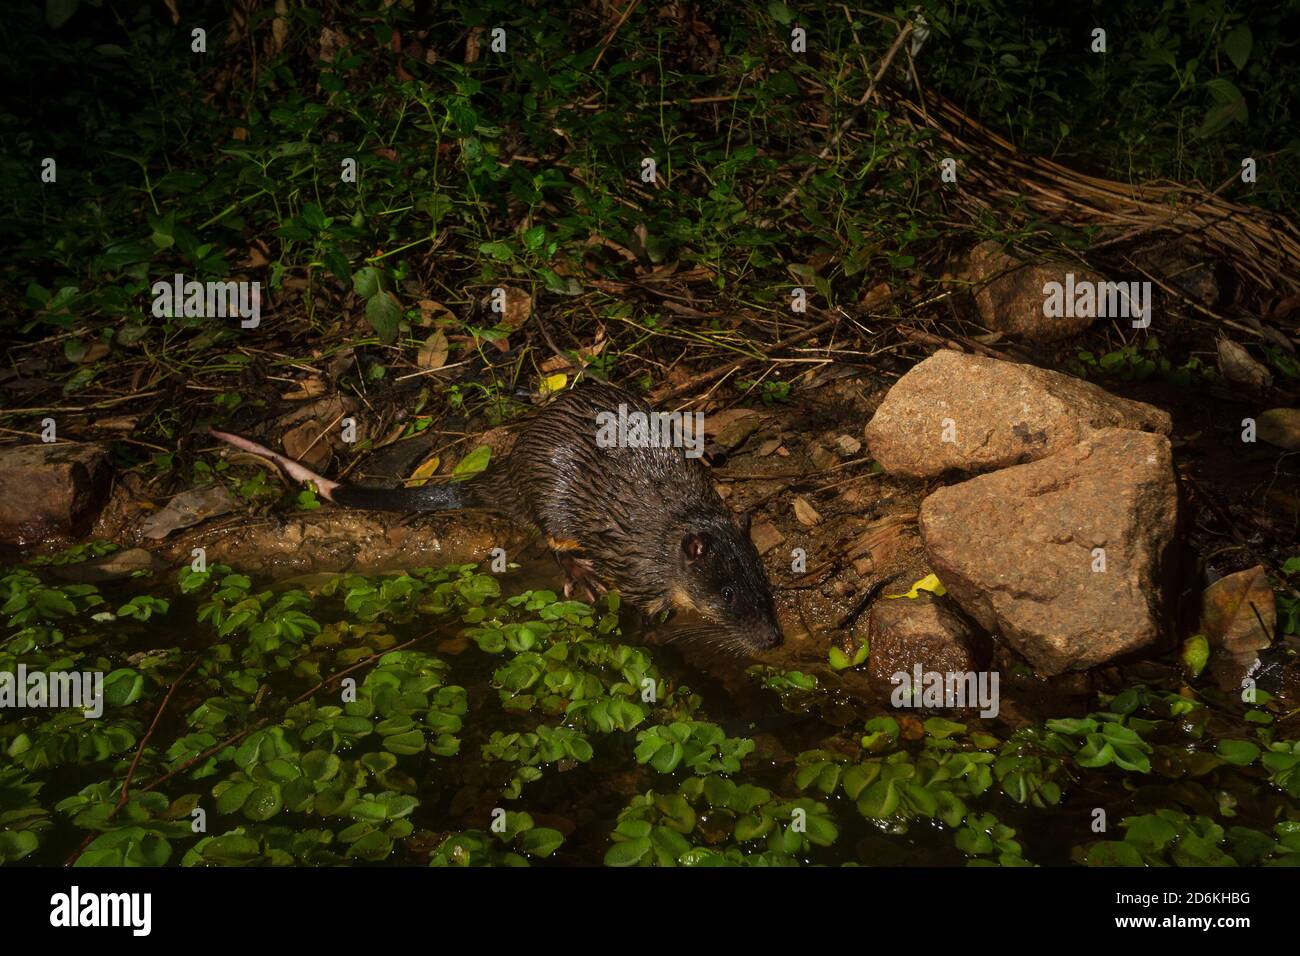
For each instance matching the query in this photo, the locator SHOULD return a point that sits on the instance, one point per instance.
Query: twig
(872, 593)
(80, 408)
(139, 751)
(235, 738)
(609, 37)
(135, 762)
(723, 371)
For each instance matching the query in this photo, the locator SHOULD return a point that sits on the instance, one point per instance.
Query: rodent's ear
(746, 519)
(694, 546)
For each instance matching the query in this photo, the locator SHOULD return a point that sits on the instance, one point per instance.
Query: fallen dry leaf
(433, 353)
(187, 509)
(94, 352)
(556, 363)
(805, 513)
(765, 535)
(307, 388)
(258, 255)
(515, 310)
(716, 422)
(109, 567)
(331, 41)
(472, 45)
(822, 457)
(1280, 427)
(1240, 368)
(120, 423)
(329, 409)
(304, 443)
(1238, 613)
(431, 311)
(589, 352)
(279, 28)
(877, 296)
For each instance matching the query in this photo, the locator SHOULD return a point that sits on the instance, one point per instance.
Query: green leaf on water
(1238, 752)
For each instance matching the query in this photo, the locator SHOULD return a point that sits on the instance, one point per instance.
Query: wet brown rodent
(643, 519)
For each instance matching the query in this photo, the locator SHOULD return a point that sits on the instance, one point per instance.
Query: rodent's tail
(428, 498)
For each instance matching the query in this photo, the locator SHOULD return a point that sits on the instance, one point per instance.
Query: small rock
(970, 413)
(848, 446)
(1240, 368)
(1011, 298)
(738, 432)
(905, 632)
(51, 489)
(1280, 427)
(1018, 549)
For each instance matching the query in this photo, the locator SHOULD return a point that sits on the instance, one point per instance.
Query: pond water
(453, 716)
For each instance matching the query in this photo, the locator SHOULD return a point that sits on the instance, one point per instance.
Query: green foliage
(697, 746)
(787, 684)
(1173, 838)
(655, 829)
(1137, 363)
(1181, 90)
(476, 848)
(529, 751)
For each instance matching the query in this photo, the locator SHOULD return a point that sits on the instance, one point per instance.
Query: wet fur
(629, 510)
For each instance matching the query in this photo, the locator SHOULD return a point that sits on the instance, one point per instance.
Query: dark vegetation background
(479, 168)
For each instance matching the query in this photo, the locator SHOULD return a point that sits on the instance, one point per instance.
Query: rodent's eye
(728, 595)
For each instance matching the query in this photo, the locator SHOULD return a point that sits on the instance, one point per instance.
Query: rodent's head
(722, 579)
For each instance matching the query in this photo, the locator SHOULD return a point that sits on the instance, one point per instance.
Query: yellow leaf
(929, 583)
(554, 383)
(424, 472)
